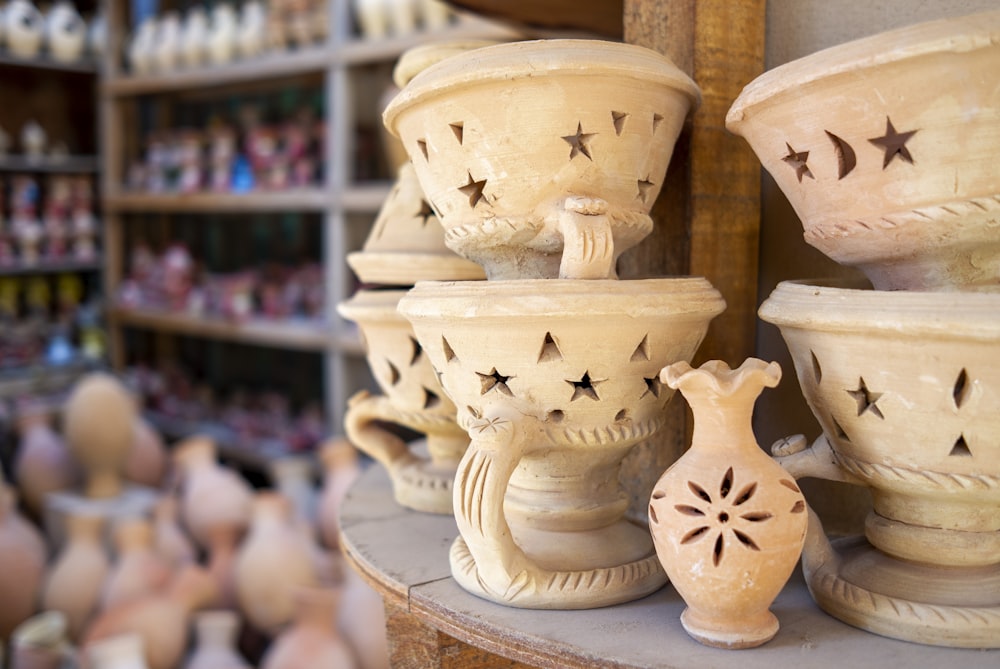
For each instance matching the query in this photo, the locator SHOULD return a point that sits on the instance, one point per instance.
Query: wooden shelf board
(276, 334)
(43, 61)
(64, 165)
(51, 267)
(363, 51)
(41, 376)
(267, 66)
(365, 198)
(301, 199)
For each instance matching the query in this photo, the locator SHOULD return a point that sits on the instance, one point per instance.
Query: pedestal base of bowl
(939, 606)
(423, 485)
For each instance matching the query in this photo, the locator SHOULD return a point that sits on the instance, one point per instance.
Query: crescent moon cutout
(846, 159)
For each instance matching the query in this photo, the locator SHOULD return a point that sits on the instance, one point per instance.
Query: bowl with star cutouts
(543, 158)
(886, 148)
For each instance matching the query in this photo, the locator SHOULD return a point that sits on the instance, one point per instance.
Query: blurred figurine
(65, 32)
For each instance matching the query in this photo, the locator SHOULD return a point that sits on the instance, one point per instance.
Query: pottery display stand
(552, 407)
(897, 177)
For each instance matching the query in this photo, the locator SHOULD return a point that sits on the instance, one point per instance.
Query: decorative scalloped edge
(951, 210)
(951, 482)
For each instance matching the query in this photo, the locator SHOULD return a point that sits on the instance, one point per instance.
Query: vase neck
(722, 421)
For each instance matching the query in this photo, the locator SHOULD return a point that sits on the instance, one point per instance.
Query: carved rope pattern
(952, 210)
(836, 588)
(521, 229)
(950, 482)
(608, 434)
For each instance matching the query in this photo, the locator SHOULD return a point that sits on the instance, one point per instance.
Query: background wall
(796, 28)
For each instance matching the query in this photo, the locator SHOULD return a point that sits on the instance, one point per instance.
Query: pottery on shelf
(194, 36)
(292, 476)
(312, 639)
(553, 405)
(727, 521)
(24, 28)
(22, 563)
(161, 619)
(43, 463)
(906, 386)
(141, 45)
(213, 498)
(361, 620)
(215, 642)
(599, 121)
(40, 642)
(137, 570)
(65, 32)
(98, 426)
(76, 577)
(887, 171)
(167, 47)
(413, 398)
(124, 651)
(340, 470)
(273, 560)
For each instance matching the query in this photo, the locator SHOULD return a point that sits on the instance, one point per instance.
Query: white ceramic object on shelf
(222, 34)
(65, 32)
(97, 33)
(24, 28)
(401, 16)
(167, 47)
(434, 14)
(372, 18)
(141, 46)
(886, 147)
(194, 37)
(33, 139)
(252, 30)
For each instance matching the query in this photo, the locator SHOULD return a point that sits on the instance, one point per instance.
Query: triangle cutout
(641, 352)
(961, 448)
(449, 353)
(550, 350)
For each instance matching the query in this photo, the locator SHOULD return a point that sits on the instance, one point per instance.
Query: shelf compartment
(366, 198)
(50, 267)
(303, 336)
(301, 199)
(267, 66)
(50, 164)
(43, 61)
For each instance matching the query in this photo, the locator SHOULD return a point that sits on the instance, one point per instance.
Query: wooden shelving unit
(49, 164)
(85, 65)
(50, 267)
(346, 202)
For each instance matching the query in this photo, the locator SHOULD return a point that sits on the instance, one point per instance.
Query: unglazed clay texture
(886, 148)
(553, 405)
(907, 388)
(728, 522)
(413, 398)
(543, 158)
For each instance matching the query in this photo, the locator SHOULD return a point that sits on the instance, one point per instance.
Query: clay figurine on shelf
(33, 139)
(65, 32)
(140, 48)
(28, 232)
(727, 521)
(223, 28)
(252, 30)
(167, 47)
(24, 28)
(194, 36)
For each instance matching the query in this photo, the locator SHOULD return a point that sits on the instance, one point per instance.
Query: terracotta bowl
(886, 147)
(906, 386)
(543, 158)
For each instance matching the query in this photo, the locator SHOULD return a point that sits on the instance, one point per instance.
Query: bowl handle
(361, 424)
(588, 244)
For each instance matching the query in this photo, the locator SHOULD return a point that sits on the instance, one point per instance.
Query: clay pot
(362, 622)
(413, 398)
(340, 466)
(727, 521)
(138, 571)
(215, 642)
(40, 642)
(161, 619)
(552, 408)
(169, 539)
(610, 134)
(147, 459)
(271, 563)
(98, 425)
(213, 498)
(124, 651)
(22, 563)
(293, 477)
(76, 577)
(43, 463)
(886, 172)
(223, 544)
(904, 385)
(312, 640)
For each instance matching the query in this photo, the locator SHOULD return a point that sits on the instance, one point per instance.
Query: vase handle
(361, 424)
(588, 243)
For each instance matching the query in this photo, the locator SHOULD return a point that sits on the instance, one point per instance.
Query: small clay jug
(293, 477)
(40, 642)
(340, 470)
(212, 496)
(215, 642)
(169, 540)
(138, 570)
(147, 459)
(98, 424)
(43, 464)
(161, 619)
(76, 577)
(124, 651)
(22, 563)
(272, 562)
(312, 640)
(362, 622)
(728, 522)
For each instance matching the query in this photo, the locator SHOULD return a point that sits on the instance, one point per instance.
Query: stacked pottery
(542, 160)
(22, 563)
(76, 577)
(406, 245)
(886, 148)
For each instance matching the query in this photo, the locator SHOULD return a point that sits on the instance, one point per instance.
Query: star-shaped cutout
(644, 186)
(578, 142)
(585, 387)
(494, 381)
(653, 387)
(425, 213)
(894, 143)
(797, 159)
(866, 399)
(474, 189)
